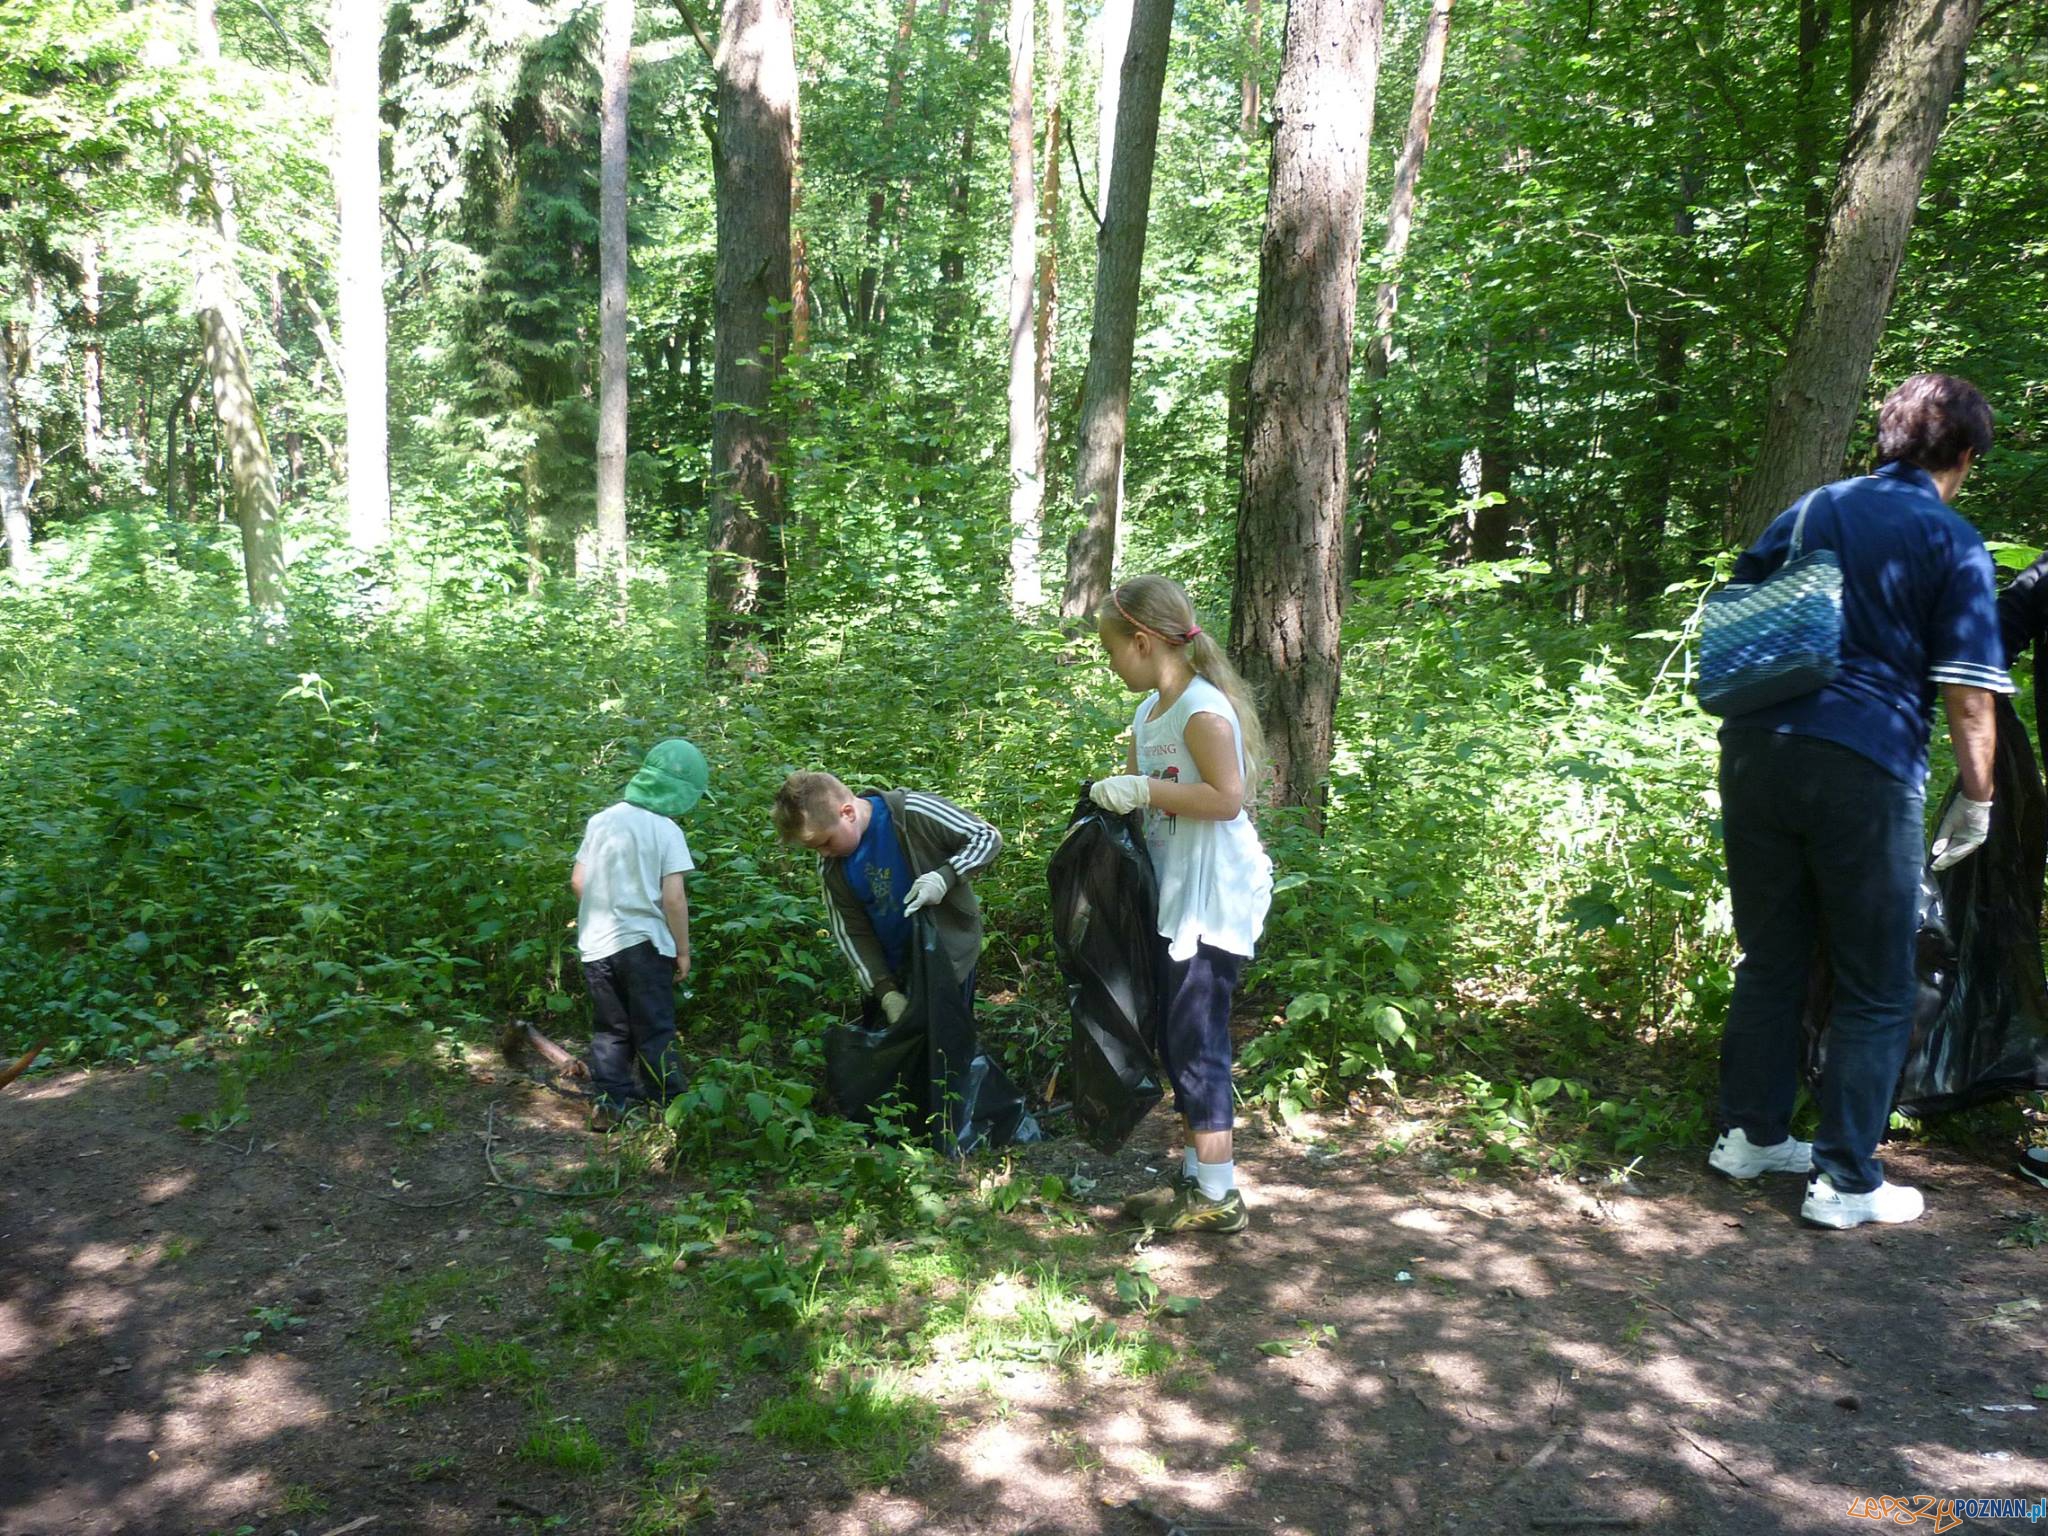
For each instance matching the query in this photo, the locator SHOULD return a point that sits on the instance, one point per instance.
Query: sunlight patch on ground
(99, 1258)
(1421, 1220)
(168, 1186)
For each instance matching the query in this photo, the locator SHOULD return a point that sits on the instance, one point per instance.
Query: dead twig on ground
(1550, 1449)
(354, 1525)
(1740, 1480)
(498, 1179)
(1565, 1520)
(1646, 1299)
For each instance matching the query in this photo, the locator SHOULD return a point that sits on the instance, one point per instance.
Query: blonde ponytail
(1160, 607)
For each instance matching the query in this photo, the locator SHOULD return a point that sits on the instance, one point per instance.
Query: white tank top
(1215, 881)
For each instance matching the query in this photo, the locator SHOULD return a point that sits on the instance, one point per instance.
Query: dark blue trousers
(633, 1026)
(1193, 1033)
(1824, 849)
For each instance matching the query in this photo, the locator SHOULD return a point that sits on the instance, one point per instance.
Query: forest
(412, 413)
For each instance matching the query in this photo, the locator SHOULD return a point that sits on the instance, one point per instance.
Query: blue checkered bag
(1764, 642)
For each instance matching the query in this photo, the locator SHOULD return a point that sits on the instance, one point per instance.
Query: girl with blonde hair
(1194, 757)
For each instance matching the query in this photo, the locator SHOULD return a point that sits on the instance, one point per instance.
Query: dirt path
(196, 1335)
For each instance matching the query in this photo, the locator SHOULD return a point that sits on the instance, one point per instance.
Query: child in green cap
(633, 930)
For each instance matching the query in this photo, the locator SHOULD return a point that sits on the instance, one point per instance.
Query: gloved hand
(926, 889)
(1121, 793)
(1963, 829)
(894, 1005)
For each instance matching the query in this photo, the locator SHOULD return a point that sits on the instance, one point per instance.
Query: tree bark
(1284, 622)
(616, 67)
(92, 402)
(953, 257)
(1248, 83)
(753, 166)
(1048, 233)
(13, 500)
(866, 295)
(1809, 122)
(357, 40)
(1027, 479)
(1893, 130)
(1429, 76)
(1113, 33)
(1119, 264)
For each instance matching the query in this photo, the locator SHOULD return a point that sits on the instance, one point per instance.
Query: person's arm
(576, 879)
(1220, 796)
(970, 844)
(675, 907)
(855, 936)
(1973, 731)
(2023, 609)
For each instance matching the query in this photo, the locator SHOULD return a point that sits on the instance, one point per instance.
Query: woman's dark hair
(1931, 419)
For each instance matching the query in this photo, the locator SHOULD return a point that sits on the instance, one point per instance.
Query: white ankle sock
(1188, 1162)
(1216, 1179)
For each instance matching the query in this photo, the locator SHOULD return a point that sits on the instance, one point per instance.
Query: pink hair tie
(1193, 630)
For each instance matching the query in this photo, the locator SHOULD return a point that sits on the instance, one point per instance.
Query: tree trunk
(1809, 122)
(92, 404)
(1429, 76)
(1119, 263)
(1284, 622)
(1248, 83)
(357, 38)
(1491, 524)
(1867, 21)
(1027, 477)
(1113, 32)
(617, 53)
(753, 164)
(13, 501)
(1048, 233)
(1893, 129)
(867, 295)
(953, 256)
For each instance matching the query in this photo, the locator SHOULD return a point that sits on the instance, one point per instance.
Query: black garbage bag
(1105, 910)
(930, 1059)
(1980, 1025)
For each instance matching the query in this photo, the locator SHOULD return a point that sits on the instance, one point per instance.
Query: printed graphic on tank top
(1215, 881)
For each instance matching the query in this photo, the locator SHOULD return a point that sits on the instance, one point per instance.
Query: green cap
(671, 781)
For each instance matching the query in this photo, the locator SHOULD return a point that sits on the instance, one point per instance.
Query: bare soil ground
(189, 1342)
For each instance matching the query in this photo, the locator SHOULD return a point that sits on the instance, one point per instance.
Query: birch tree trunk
(13, 500)
(953, 256)
(1284, 622)
(1914, 70)
(1048, 231)
(866, 303)
(1119, 264)
(617, 51)
(92, 403)
(357, 38)
(1248, 83)
(1027, 481)
(753, 166)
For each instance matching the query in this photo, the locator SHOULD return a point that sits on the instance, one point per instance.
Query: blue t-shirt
(881, 880)
(1917, 611)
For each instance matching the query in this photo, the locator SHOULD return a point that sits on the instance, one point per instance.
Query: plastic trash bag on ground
(1980, 1025)
(930, 1059)
(1105, 907)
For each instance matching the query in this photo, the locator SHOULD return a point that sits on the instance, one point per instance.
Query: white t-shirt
(1215, 881)
(625, 852)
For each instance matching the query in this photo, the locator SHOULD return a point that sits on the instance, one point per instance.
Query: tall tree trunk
(357, 39)
(92, 403)
(1867, 22)
(1027, 476)
(1113, 36)
(1049, 231)
(13, 500)
(1643, 537)
(617, 54)
(753, 165)
(866, 295)
(1119, 263)
(1248, 82)
(1492, 524)
(953, 255)
(1284, 621)
(1810, 118)
(1894, 127)
(236, 415)
(1429, 76)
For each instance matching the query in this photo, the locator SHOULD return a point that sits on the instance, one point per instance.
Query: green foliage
(877, 1427)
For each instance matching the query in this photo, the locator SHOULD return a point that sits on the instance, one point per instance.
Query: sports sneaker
(606, 1118)
(2033, 1165)
(1890, 1203)
(1154, 1201)
(1738, 1157)
(1193, 1211)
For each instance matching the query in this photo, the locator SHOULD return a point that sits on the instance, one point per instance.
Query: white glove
(893, 1006)
(1963, 829)
(1122, 793)
(924, 891)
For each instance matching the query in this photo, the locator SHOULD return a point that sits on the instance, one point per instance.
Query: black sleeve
(2023, 609)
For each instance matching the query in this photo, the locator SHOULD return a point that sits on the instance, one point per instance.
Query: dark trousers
(1193, 1033)
(1824, 848)
(633, 1026)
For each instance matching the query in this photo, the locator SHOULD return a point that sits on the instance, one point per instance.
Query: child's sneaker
(1735, 1155)
(606, 1118)
(2033, 1165)
(1193, 1211)
(1152, 1202)
(1889, 1203)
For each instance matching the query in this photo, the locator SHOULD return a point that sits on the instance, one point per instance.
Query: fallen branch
(490, 1135)
(1646, 1299)
(22, 1065)
(1550, 1449)
(354, 1525)
(1740, 1480)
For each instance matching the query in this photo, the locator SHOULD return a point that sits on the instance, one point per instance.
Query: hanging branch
(1080, 185)
(690, 21)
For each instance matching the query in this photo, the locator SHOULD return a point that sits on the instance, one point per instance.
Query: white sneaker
(1890, 1203)
(1736, 1156)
